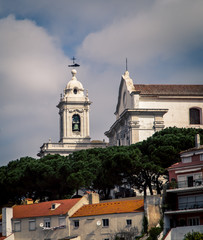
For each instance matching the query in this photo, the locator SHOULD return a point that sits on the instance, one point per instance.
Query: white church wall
(178, 113)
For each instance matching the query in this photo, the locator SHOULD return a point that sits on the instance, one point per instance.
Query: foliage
(145, 225)
(126, 234)
(54, 176)
(154, 233)
(193, 236)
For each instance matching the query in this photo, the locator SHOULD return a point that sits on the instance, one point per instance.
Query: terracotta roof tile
(1, 237)
(181, 164)
(183, 90)
(110, 208)
(43, 209)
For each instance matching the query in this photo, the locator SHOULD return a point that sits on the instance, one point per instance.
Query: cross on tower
(74, 63)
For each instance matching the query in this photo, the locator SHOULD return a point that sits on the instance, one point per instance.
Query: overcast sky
(162, 39)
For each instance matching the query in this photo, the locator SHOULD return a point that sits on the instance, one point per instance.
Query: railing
(190, 205)
(186, 183)
(194, 183)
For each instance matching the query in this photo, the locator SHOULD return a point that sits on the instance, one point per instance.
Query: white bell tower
(74, 113)
(74, 107)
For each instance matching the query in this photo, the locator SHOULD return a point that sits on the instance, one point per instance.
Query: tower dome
(74, 87)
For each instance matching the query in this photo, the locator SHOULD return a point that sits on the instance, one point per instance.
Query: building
(103, 220)
(184, 210)
(74, 107)
(45, 220)
(144, 109)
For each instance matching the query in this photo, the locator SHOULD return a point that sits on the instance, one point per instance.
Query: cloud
(32, 75)
(164, 31)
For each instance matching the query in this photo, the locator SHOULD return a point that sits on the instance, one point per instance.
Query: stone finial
(73, 71)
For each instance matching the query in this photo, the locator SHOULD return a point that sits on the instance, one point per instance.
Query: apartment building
(184, 211)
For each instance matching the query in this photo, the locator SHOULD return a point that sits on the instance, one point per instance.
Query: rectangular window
(17, 226)
(62, 222)
(32, 225)
(186, 159)
(47, 222)
(193, 221)
(201, 157)
(76, 223)
(105, 222)
(129, 222)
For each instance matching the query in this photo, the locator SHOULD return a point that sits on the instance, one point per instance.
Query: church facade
(74, 107)
(144, 109)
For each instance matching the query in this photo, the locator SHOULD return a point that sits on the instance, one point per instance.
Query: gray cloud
(165, 30)
(162, 39)
(32, 73)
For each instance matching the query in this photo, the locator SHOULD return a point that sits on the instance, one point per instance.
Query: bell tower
(74, 108)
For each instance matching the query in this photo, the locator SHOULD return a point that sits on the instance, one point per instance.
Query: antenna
(74, 63)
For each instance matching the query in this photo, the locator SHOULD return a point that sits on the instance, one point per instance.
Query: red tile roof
(181, 164)
(43, 209)
(183, 90)
(110, 208)
(1, 237)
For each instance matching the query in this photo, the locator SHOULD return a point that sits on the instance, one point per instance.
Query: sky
(162, 40)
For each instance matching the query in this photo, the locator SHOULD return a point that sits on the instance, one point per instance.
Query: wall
(7, 214)
(153, 210)
(178, 114)
(179, 232)
(90, 229)
(39, 233)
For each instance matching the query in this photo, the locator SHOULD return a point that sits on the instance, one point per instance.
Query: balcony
(190, 183)
(185, 186)
(190, 205)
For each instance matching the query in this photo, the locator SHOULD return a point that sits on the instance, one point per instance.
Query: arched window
(76, 123)
(195, 116)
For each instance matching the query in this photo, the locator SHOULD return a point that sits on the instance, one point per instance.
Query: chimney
(197, 141)
(93, 197)
(7, 215)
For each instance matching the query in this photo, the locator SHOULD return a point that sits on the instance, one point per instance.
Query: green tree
(193, 236)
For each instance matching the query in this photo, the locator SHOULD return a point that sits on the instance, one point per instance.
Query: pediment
(124, 95)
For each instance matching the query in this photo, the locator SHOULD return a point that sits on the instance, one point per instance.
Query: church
(74, 107)
(144, 109)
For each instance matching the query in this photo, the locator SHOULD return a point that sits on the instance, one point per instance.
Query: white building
(144, 109)
(102, 221)
(74, 107)
(45, 220)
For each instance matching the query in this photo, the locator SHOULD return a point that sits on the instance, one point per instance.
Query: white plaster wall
(7, 214)
(39, 233)
(179, 232)
(178, 113)
(89, 229)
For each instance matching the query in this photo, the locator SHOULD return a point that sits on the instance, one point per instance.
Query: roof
(1, 237)
(130, 206)
(183, 90)
(196, 149)
(43, 209)
(181, 164)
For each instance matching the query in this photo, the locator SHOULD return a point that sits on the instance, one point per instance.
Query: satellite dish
(98, 223)
(41, 224)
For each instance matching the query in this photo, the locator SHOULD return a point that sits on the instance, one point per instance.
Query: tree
(193, 236)
(126, 234)
(161, 151)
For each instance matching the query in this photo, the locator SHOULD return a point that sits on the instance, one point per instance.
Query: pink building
(185, 194)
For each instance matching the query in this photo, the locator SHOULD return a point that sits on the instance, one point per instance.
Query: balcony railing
(186, 184)
(190, 205)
